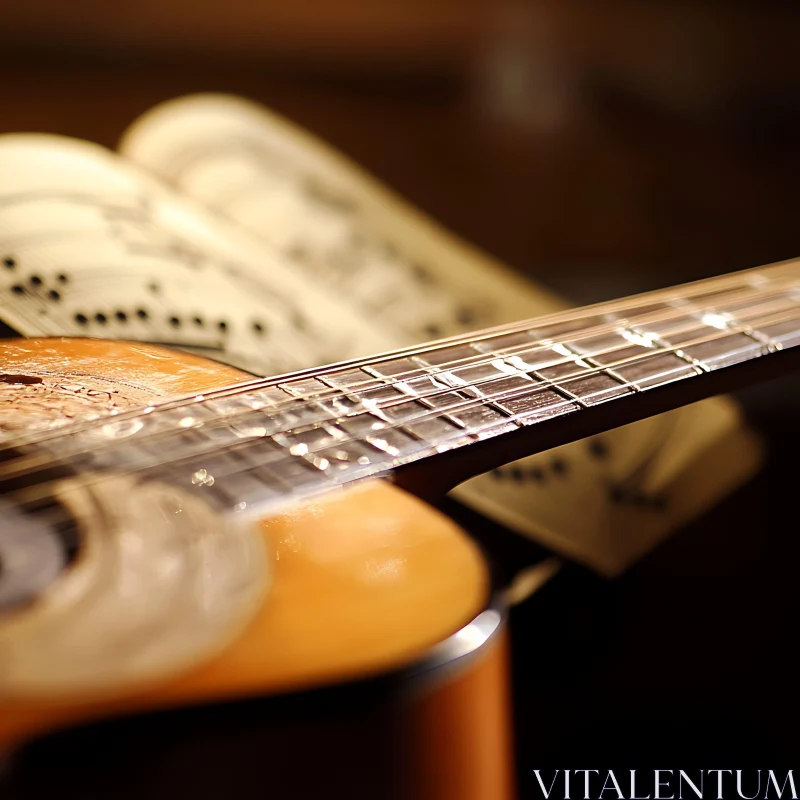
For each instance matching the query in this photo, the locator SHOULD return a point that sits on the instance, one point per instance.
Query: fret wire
(339, 392)
(471, 404)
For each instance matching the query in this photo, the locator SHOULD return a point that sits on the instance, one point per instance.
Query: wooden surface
(460, 734)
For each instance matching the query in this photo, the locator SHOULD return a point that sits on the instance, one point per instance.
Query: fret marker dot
(646, 339)
(202, 478)
(719, 321)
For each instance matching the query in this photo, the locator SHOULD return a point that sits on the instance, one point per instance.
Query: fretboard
(451, 409)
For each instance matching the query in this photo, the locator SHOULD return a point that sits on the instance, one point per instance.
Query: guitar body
(375, 665)
(158, 635)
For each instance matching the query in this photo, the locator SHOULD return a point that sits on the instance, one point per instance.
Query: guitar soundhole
(27, 380)
(35, 551)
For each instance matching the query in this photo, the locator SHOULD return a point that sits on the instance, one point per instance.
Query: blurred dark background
(601, 148)
(654, 138)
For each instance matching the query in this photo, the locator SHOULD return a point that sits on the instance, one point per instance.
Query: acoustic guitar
(235, 587)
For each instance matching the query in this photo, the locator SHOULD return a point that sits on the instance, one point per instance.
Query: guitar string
(48, 489)
(541, 384)
(477, 360)
(397, 460)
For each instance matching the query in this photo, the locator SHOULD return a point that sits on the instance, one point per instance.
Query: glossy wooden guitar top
(363, 581)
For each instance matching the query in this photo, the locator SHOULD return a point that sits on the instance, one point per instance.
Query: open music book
(222, 229)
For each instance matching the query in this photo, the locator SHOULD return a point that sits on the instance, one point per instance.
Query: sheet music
(91, 246)
(627, 511)
(604, 502)
(331, 221)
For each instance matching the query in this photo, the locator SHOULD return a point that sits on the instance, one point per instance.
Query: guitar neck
(443, 412)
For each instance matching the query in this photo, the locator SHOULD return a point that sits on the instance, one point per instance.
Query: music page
(92, 246)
